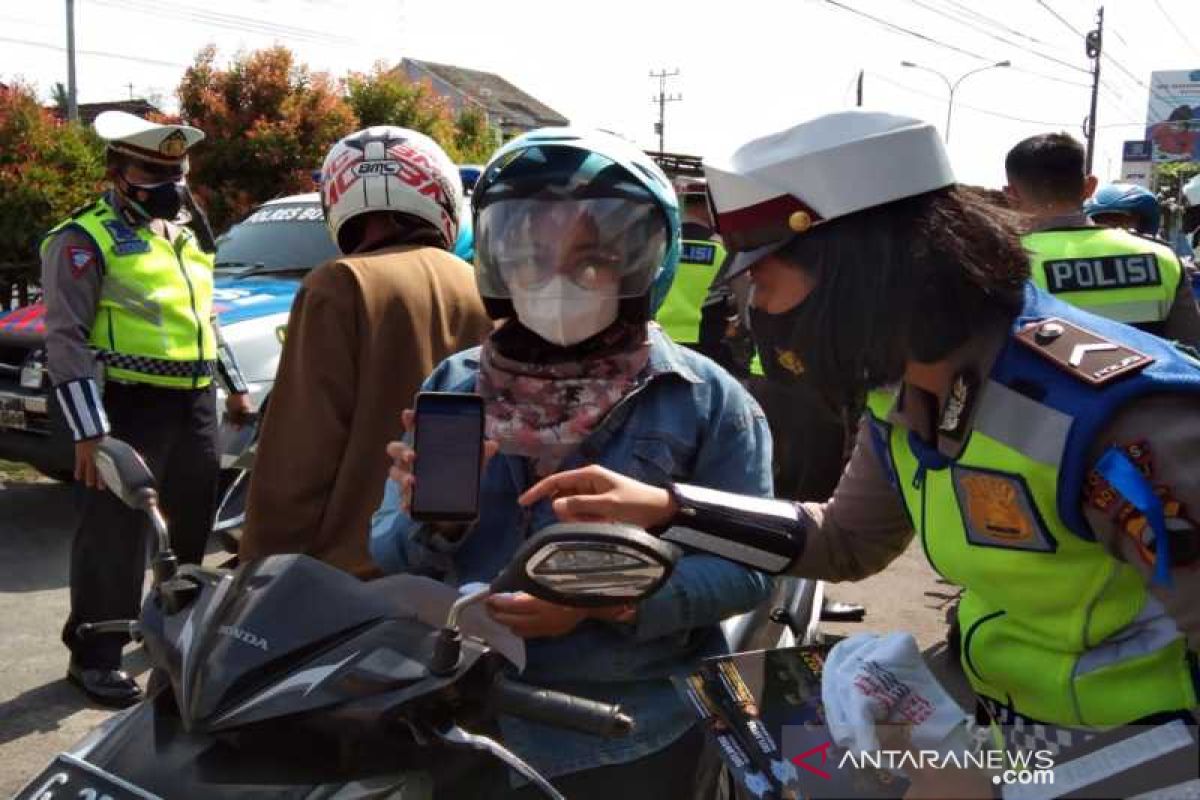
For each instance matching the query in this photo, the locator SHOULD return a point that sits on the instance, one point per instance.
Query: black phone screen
(449, 444)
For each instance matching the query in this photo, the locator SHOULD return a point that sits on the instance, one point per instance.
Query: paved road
(40, 713)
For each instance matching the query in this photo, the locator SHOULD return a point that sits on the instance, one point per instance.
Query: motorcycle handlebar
(559, 709)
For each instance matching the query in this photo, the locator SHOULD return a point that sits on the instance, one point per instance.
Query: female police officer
(1047, 458)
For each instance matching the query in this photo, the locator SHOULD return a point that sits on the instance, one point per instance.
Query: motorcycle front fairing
(290, 678)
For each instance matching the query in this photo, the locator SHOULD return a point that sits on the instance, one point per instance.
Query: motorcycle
(288, 678)
(790, 616)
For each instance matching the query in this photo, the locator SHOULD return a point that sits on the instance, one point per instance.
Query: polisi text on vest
(1106, 272)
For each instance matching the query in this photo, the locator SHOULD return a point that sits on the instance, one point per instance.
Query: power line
(97, 53)
(931, 40)
(1137, 80)
(977, 109)
(1060, 18)
(997, 23)
(1179, 30)
(229, 22)
(901, 29)
(997, 37)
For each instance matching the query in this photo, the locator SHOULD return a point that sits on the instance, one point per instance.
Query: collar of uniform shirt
(1075, 220)
(913, 408)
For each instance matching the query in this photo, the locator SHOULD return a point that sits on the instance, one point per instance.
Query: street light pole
(72, 92)
(951, 88)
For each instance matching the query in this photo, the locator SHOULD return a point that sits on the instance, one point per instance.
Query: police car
(260, 263)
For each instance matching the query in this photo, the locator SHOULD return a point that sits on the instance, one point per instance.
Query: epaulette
(1152, 238)
(1083, 354)
(83, 209)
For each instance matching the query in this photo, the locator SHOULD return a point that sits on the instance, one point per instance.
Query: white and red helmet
(386, 168)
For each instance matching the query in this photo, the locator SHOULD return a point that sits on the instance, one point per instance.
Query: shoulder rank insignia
(79, 211)
(125, 239)
(1086, 355)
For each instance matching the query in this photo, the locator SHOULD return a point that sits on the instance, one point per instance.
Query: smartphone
(448, 439)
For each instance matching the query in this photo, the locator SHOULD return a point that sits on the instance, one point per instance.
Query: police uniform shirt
(864, 526)
(72, 280)
(1183, 320)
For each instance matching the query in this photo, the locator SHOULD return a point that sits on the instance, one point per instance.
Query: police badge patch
(997, 511)
(173, 145)
(82, 260)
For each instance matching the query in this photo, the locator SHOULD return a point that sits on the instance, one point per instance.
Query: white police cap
(149, 141)
(772, 188)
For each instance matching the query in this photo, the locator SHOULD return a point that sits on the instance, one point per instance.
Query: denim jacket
(687, 420)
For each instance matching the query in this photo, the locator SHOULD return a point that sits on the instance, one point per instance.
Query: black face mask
(788, 343)
(776, 341)
(161, 201)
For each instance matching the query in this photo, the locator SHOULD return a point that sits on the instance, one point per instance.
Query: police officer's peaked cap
(149, 141)
(770, 189)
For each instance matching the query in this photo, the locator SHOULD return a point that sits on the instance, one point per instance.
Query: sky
(746, 68)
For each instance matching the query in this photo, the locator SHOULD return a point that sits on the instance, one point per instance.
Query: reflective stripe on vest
(1107, 271)
(681, 311)
(153, 322)
(1052, 624)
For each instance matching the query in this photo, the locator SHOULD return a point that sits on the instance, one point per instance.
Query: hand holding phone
(443, 485)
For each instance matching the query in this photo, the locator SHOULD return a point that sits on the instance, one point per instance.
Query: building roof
(89, 111)
(510, 106)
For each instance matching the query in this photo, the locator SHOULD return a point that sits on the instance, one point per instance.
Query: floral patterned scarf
(541, 401)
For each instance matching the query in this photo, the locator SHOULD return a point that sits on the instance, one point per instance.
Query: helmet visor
(606, 244)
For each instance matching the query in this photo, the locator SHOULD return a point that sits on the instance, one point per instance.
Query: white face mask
(563, 313)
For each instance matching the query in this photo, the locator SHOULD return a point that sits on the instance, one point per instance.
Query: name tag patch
(997, 511)
(693, 253)
(125, 240)
(1104, 272)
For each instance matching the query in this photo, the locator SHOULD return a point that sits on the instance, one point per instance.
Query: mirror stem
(165, 562)
(447, 648)
(462, 602)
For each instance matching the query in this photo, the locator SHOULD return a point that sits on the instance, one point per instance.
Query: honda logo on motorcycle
(244, 636)
(367, 168)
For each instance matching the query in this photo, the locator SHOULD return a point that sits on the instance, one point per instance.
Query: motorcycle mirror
(125, 473)
(589, 565)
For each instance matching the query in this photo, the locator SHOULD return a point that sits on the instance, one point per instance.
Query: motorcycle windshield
(278, 612)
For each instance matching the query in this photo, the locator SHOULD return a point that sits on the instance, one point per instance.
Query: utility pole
(72, 96)
(130, 85)
(662, 98)
(1094, 41)
(860, 87)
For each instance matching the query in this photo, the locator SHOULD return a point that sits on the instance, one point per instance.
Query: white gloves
(871, 679)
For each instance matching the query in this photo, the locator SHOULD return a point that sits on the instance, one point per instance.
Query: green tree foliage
(47, 168)
(387, 97)
(474, 140)
(268, 122)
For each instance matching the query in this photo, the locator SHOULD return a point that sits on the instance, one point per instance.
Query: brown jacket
(364, 333)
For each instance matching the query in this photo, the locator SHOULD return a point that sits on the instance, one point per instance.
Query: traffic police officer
(688, 314)
(1109, 271)
(132, 350)
(1048, 458)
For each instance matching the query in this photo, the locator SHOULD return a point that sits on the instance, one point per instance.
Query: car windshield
(280, 236)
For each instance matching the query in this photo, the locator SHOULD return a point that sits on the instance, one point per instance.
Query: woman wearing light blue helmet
(576, 239)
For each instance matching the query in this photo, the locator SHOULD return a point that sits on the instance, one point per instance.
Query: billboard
(1136, 162)
(1137, 172)
(1173, 116)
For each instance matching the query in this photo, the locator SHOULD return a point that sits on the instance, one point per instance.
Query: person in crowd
(1109, 271)
(128, 295)
(1126, 206)
(577, 236)
(1048, 458)
(364, 331)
